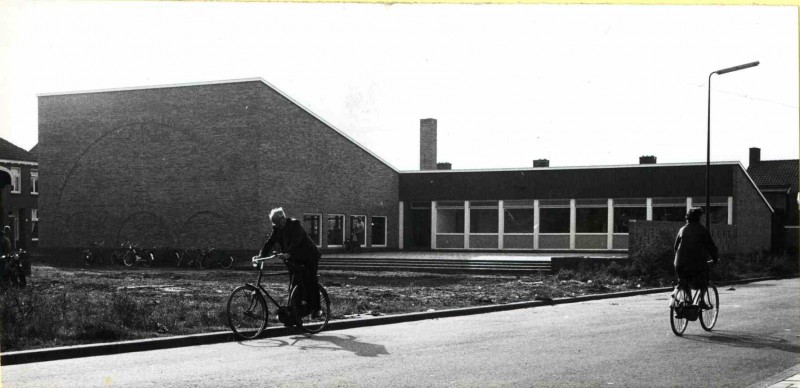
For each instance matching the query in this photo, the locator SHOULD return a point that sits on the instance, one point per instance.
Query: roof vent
(647, 159)
(541, 163)
(444, 166)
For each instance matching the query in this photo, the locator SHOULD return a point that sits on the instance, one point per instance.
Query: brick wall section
(196, 165)
(751, 215)
(661, 235)
(427, 144)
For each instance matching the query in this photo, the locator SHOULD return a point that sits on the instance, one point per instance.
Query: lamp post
(708, 138)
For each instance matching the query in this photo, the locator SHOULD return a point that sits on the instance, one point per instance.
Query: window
(450, 221)
(378, 231)
(591, 220)
(34, 224)
(34, 182)
(669, 213)
(335, 230)
(483, 217)
(16, 180)
(518, 220)
(623, 215)
(554, 220)
(358, 229)
(311, 224)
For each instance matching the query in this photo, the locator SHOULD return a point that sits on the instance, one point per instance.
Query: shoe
(704, 306)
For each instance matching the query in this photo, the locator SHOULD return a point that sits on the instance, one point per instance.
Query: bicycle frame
(259, 263)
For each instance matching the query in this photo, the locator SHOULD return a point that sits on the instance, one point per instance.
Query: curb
(104, 349)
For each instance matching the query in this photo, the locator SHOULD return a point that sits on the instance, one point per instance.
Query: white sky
(576, 84)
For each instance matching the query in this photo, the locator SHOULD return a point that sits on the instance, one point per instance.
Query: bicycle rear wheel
(678, 324)
(708, 317)
(225, 260)
(148, 259)
(308, 323)
(247, 312)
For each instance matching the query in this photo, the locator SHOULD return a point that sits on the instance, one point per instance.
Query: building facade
(19, 179)
(202, 165)
(778, 181)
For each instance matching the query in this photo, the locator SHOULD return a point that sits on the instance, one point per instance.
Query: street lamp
(708, 138)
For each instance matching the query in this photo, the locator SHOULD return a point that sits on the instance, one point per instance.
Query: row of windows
(557, 219)
(357, 229)
(16, 181)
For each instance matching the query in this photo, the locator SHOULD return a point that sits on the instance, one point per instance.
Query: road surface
(610, 343)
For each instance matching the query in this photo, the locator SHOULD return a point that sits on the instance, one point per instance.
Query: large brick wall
(196, 165)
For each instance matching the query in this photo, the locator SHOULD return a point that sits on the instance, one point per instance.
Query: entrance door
(421, 228)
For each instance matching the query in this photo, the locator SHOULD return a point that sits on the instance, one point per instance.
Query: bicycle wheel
(708, 317)
(225, 260)
(678, 324)
(308, 323)
(247, 312)
(129, 258)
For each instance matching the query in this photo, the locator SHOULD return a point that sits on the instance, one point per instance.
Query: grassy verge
(74, 305)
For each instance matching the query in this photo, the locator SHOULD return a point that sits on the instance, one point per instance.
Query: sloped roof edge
(256, 79)
(758, 190)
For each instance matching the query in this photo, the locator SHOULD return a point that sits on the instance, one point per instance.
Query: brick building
(201, 165)
(778, 180)
(19, 175)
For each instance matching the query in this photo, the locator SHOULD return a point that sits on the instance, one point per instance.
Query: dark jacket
(694, 247)
(293, 240)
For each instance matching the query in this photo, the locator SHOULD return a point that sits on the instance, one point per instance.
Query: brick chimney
(541, 163)
(647, 159)
(755, 156)
(427, 144)
(444, 166)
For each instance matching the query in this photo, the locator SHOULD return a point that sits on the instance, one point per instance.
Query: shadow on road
(323, 342)
(746, 340)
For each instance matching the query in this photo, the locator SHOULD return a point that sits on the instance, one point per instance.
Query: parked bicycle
(135, 255)
(189, 258)
(93, 254)
(163, 255)
(14, 268)
(212, 256)
(685, 308)
(247, 310)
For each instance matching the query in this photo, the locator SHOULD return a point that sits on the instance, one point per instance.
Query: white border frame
(385, 231)
(327, 228)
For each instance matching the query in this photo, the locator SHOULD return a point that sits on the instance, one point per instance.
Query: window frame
(34, 224)
(319, 218)
(363, 219)
(16, 180)
(385, 232)
(328, 230)
(34, 182)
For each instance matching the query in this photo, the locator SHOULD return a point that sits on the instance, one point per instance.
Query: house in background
(778, 181)
(19, 175)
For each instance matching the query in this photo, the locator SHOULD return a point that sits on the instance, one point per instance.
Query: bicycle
(14, 269)
(215, 256)
(134, 255)
(683, 308)
(247, 310)
(189, 257)
(93, 253)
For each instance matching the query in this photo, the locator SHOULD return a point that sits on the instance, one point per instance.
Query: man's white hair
(276, 212)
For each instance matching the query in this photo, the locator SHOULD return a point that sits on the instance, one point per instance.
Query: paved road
(609, 343)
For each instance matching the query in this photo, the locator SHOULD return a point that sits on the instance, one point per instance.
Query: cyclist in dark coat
(693, 248)
(296, 246)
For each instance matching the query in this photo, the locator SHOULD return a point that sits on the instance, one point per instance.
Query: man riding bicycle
(296, 247)
(693, 247)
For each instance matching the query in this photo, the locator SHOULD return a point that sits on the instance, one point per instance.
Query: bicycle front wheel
(247, 312)
(708, 317)
(676, 319)
(310, 321)
(148, 260)
(129, 258)
(225, 261)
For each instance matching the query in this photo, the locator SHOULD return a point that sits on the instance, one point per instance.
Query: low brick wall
(660, 235)
(573, 263)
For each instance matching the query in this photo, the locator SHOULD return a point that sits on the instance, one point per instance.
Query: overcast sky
(577, 84)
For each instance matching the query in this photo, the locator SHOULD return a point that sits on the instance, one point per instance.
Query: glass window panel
(669, 201)
(670, 213)
(593, 202)
(311, 223)
(591, 220)
(518, 221)
(483, 220)
(554, 202)
(450, 221)
(518, 203)
(378, 231)
(335, 229)
(719, 214)
(630, 202)
(483, 204)
(358, 229)
(554, 220)
(623, 215)
(450, 204)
